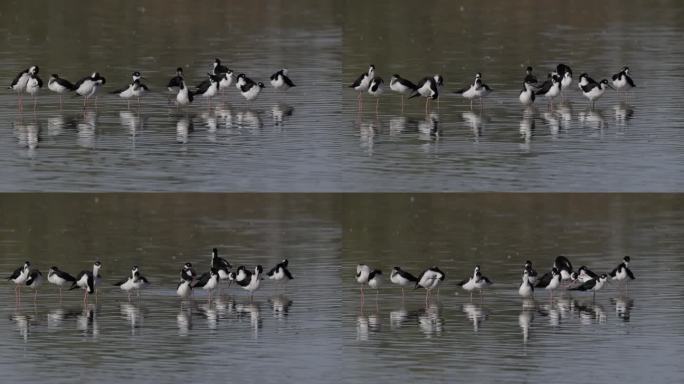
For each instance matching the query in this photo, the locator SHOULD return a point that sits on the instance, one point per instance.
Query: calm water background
(312, 138)
(316, 328)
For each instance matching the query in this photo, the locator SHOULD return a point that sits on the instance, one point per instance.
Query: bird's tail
(73, 286)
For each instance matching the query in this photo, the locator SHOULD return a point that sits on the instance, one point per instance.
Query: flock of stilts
(219, 78)
(90, 280)
(561, 276)
(429, 87)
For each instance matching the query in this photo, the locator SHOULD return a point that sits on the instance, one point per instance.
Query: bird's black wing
(288, 274)
(143, 86)
(275, 75)
(65, 83)
(486, 280)
(462, 90)
(629, 81)
(248, 278)
(121, 282)
(144, 279)
(545, 280)
(532, 79)
(544, 88)
(16, 78)
(220, 69)
(273, 270)
(629, 273)
(561, 69)
(65, 276)
(588, 87)
(585, 286)
(203, 280)
(80, 82)
(288, 81)
(40, 81)
(407, 275)
(175, 82)
(78, 277)
(358, 80)
(15, 274)
(118, 91)
(407, 84)
(616, 76)
(202, 87)
(562, 262)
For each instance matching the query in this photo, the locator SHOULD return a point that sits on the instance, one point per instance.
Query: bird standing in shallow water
(280, 80)
(362, 83)
(430, 279)
(622, 80)
(622, 272)
(59, 278)
(403, 87)
(34, 85)
(362, 273)
(376, 89)
(592, 285)
(402, 279)
(593, 91)
(526, 287)
(61, 86)
(280, 273)
(550, 281)
(19, 82)
(19, 277)
(428, 87)
(88, 87)
(35, 280)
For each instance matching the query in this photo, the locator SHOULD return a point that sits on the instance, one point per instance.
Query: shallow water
(312, 138)
(316, 327)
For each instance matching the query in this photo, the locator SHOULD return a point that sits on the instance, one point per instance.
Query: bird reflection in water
(367, 133)
(397, 125)
(252, 312)
(553, 122)
(564, 114)
(428, 129)
(209, 312)
(591, 313)
(592, 119)
(249, 120)
(476, 314)
(86, 321)
(623, 307)
(476, 122)
(27, 134)
(398, 317)
(281, 306)
(623, 113)
(85, 129)
(133, 316)
(131, 121)
(367, 324)
(24, 322)
(184, 127)
(527, 127)
(525, 317)
(430, 322)
(281, 112)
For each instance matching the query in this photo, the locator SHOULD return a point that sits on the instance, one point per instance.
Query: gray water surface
(316, 328)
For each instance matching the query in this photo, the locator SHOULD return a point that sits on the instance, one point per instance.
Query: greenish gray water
(316, 328)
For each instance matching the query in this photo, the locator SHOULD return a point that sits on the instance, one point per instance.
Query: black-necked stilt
(584, 274)
(564, 267)
(241, 80)
(250, 91)
(252, 281)
(19, 276)
(174, 84)
(592, 284)
(375, 281)
(427, 87)
(565, 74)
(59, 278)
(225, 80)
(375, 89)
(61, 86)
(622, 80)
(477, 281)
(478, 89)
(280, 80)
(18, 84)
(280, 273)
(403, 87)
(430, 279)
(187, 272)
(208, 88)
(86, 281)
(550, 88)
(532, 272)
(184, 287)
(34, 280)
(526, 287)
(134, 281)
(97, 277)
(593, 91)
(530, 77)
(88, 87)
(362, 272)
(135, 89)
(33, 85)
(622, 272)
(220, 264)
(208, 281)
(527, 94)
(362, 83)
(550, 281)
(219, 68)
(184, 96)
(402, 279)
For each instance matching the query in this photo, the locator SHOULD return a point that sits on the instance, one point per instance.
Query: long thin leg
(377, 104)
(402, 103)
(34, 103)
(60, 102)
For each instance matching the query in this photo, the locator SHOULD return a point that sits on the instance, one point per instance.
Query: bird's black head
(98, 263)
(604, 81)
(213, 272)
(528, 263)
(439, 80)
(259, 269)
(396, 76)
(625, 69)
(187, 265)
(217, 61)
(260, 84)
(179, 70)
(136, 74)
(54, 76)
(214, 251)
(554, 271)
(34, 70)
(626, 259)
(478, 75)
(241, 76)
(54, 268)
(528, 70)
(27, 263)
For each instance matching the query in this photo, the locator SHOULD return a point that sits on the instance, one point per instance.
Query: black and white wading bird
(532, 272)
(430, 279)
(280, 80)
(526, 287)
(220, 264)
(59, 278)
(250, 91)
(565, 74)
(19, 277)
(376, 89)
(593, 90)
(184, 96)
(35, 280)
(280, 274)
(622, 272)
(550, 89)
(530, 78)
(225, 81)
(174, 84)
(135, 89)
(252, 280)
(33, 85)
(135, 281)
(403, 87)
(218, 68)
(592, 285)
(87, 280)
(60, 86)
(564, 267)
(402, 279)
(208, 282)
(184, 287)
(550, 281)
(478, 89)
(362, 273)
(527, 94)
(584, 274)
(208, 88)
(477, 281)
(241, 80)
(622, 80)
(19, 82)
(88, 87)
(428, 87)
(362, 83)
(375, 281)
